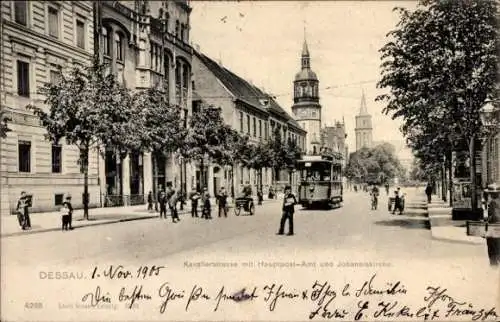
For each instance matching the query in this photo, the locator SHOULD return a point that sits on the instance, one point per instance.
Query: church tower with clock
(306, 107)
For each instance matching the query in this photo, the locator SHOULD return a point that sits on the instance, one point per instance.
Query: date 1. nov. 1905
(120, 272)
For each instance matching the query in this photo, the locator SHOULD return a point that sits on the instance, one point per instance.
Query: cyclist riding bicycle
(374, 192)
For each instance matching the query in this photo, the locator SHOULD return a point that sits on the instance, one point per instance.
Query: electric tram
(320, 180)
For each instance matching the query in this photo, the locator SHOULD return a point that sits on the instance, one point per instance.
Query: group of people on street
(170, 197)
(23, 216)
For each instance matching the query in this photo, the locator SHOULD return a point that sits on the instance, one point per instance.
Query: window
(56, 158)
(248, 124)
(182, 31)
(241, 122)
(24, 154)
(119, 46)
(105, 41)
(80, 34)
(53, 22)
(23, 78)
(254, 127)
(58, 199)
(177, 28)
(260, 128)
(266, 131)
(54, 77)
(21, 12)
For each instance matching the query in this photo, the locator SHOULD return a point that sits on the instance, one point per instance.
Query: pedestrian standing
(162, 200)
(68, 204)
(222, 201)
(195, 196)
(150, 201)
(260, 197)
(207, 207)
(428, 192)
(22, 211)
(172, 203)
(493, 243)
(158, 195)
(289, 202)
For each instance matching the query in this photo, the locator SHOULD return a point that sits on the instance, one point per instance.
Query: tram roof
(320, 157)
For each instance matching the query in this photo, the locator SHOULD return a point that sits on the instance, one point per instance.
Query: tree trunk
(84, 155)
(231, 176)
(450, 177)
(443, 180)
(155, 179)
(202, 175)
(472, 158)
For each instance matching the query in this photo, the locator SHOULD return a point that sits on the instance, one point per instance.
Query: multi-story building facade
(146, 44)
(306, 106)
(246, 109)
(364, 129)
(37, 39)
(333, 138)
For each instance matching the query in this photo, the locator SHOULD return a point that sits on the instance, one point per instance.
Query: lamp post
(490, 118)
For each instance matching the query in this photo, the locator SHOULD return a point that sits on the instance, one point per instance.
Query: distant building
(364, 129)
(306, 107)
(250, 111)
(333, 138)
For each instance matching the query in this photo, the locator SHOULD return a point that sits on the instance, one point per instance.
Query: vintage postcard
(250, 161)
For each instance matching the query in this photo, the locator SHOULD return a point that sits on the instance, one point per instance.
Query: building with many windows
(146, 43)
(250, 111)
(39, 38)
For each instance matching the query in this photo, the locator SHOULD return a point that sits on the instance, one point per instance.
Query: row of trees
(440, 67)
(377, 165)
(90, 109)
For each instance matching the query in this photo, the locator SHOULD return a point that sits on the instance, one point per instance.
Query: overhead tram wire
(290, 93)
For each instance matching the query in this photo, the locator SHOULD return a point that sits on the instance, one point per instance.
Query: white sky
(261, 41)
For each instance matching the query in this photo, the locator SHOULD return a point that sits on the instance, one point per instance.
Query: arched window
(119, 46)
(105, 41)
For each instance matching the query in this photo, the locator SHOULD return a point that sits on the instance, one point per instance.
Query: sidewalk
(51, 221)
(443, 227)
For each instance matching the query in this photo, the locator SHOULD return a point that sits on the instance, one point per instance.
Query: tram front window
(316, 174)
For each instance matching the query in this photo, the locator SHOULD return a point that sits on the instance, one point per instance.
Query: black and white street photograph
(189, 160)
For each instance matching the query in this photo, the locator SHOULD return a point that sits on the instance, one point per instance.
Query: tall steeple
(306, 59)
(306, 107)
(363, 130)
(363, 110)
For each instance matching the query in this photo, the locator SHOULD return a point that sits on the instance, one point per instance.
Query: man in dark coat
(23, 213)
(289, 201)
(222, 201)
(195, 196)
(428, 192)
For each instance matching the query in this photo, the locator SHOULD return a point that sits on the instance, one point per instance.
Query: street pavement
(350, 244)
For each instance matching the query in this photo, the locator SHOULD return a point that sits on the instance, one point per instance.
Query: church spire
(363, 110)
(306, 60)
